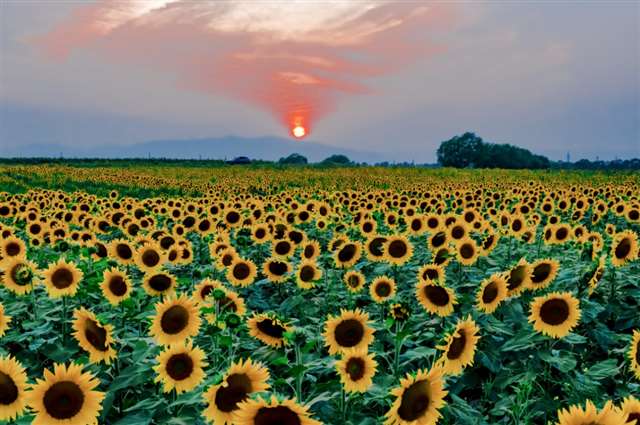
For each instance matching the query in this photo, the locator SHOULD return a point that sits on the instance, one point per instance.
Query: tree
(294, 158)
(460, 151)
(337, 160)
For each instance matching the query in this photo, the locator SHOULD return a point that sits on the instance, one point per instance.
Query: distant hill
(266, 148)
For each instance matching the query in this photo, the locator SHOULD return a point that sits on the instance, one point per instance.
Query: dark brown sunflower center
(283, 248)
(355, 368)
(349, 333)
(467, 251)
(8, 390)
(457, 232)
(367, 227)
(516, 277)
(63, 400)
(278, 268)
(309, 251)
(490, 293)
(554, 312)
(488, 242)
(12, 249)
(415, 401)
(635, 416)
(233, 217)
(101, 250)
(174, 320)
(307, 273)
(35, 229)
(561, 234)
(227, 302)
(638, 353)
(375, 247)
(437, 295)
(260, 233)
(95, 334)
(280, 415)
(541, 272)
(269, 327)
(241, 271)
(516, 225)
(227, 259)
(150, 258)
(347, 253)
(398, 249)
(205, 291)
(438, 239)
(383, 289)
(21, 274)
(353, 281)
(124, 251)
(430, 274)
(166, 242)
(457, 345)
(416, 224)
(180, 366)
(62, 278)
(237, 390)
(160, 282)
(623, 248)
(117, 286)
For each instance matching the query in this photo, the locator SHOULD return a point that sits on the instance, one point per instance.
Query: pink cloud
(292, 59)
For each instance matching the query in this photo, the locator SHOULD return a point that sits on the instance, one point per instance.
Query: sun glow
(299, 132)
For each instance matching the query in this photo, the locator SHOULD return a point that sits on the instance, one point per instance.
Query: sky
(390, 77)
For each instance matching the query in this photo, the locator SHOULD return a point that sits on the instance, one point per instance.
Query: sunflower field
(301, 296)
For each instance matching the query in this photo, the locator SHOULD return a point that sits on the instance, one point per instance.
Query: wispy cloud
(292, 58)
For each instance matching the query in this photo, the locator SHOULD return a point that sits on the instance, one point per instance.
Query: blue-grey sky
(389, 77)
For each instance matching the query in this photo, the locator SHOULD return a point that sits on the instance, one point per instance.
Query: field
(173, 294)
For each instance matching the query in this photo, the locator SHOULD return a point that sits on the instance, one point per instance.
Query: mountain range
(269, 148)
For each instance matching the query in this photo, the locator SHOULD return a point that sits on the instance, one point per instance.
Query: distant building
(240, 160)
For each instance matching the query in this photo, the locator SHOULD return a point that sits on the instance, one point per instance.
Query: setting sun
(299, 132)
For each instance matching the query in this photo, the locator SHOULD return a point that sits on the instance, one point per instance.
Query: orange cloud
(293, 59)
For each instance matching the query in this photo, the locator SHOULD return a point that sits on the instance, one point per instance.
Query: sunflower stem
(34, 305)
(397, 347)
(343, 405)
(64, 320)
(300, 372)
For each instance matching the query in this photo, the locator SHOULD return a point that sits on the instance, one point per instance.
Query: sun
(299, 131)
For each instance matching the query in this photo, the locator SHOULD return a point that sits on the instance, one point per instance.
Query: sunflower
(308, 273)
(442, 256)
(435, 298)
(347, 254)
(276, 270)
(149, 257)
(576, 415)
(226, 257)
(598, 272)
(93, 337)
(175, 320)
(65, 397)
(382, 289)
(543, 272)
(438, 240)
(283, 248)
(310, 250)
(518, 278)
(260, 233)
(62, 279)
(4, 321)
(631, 410)
(397, 250)
(13, 386)
(374, 248)
(418, 399)
(432, 273)
(356, 369)
(349, 330)
(241, 272)
(242, 379)
(273, 412)
(555, 314)
(115, 286)
(159, 283)
(12, 247)
(180, 367)
(354, 281)
(467, 251)
(459, 348)
(624, 248)
(492, 292)
(19, 275)
(268, 329)
(122, 251)
(203, 290)
(634, 353)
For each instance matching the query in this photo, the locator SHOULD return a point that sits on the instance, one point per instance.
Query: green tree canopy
(294, 158)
